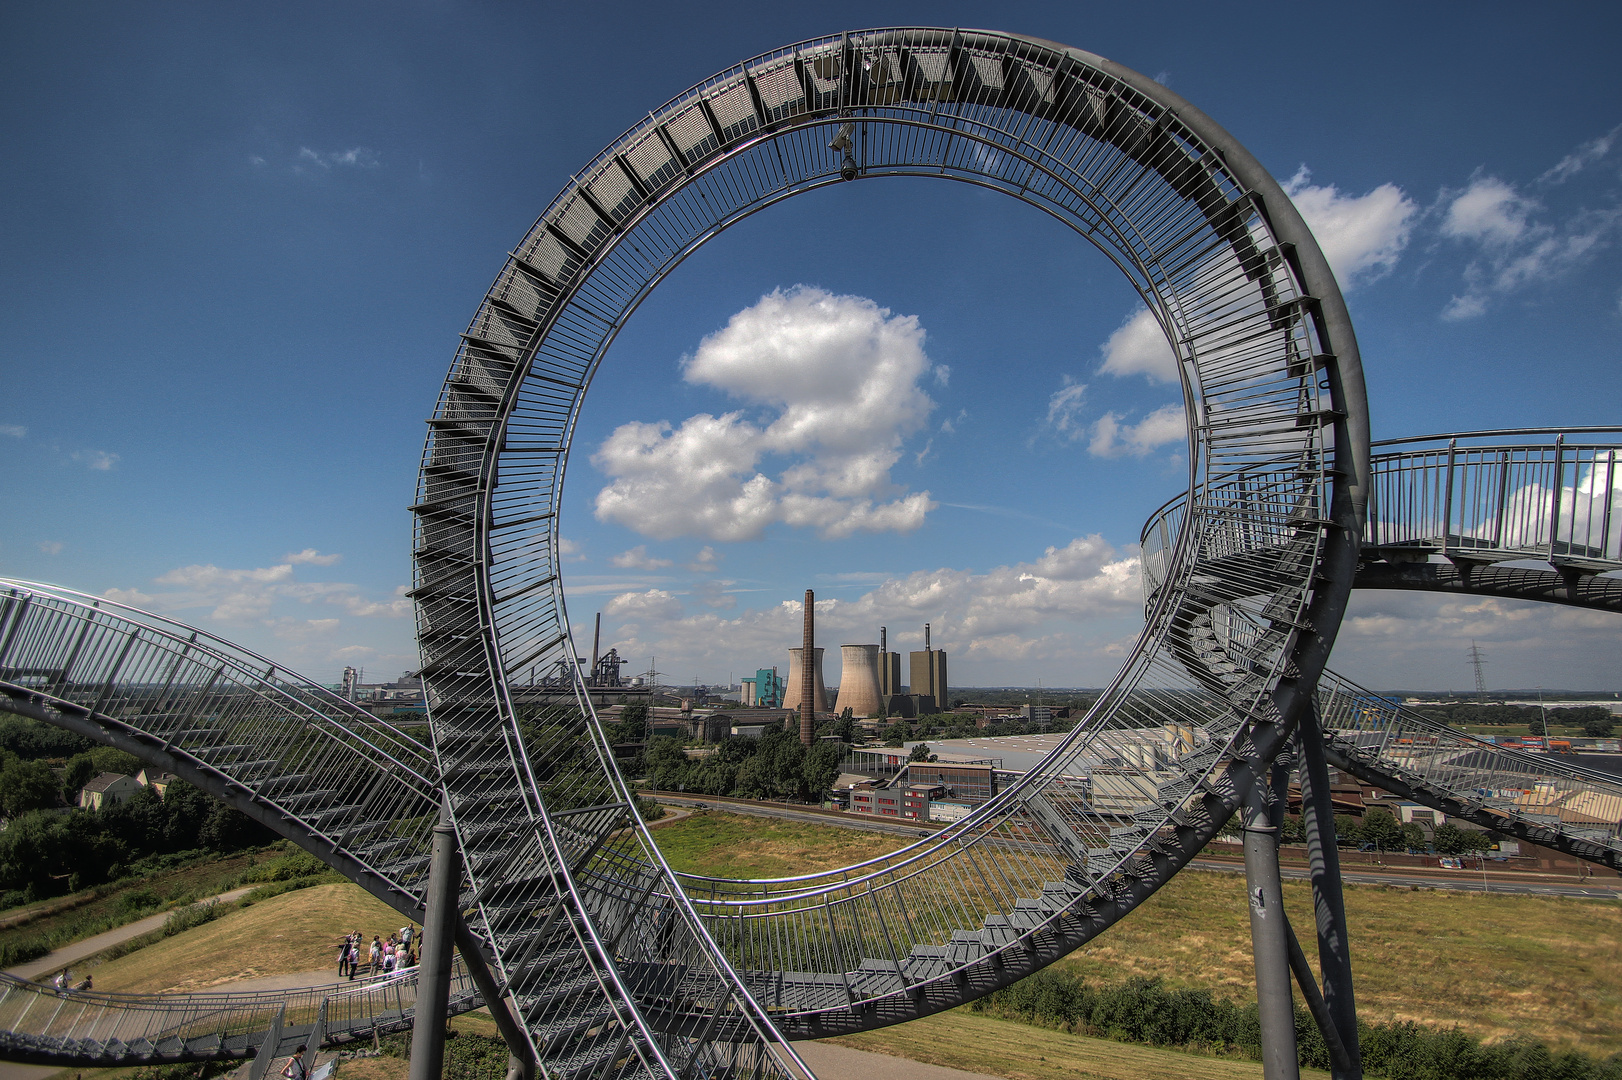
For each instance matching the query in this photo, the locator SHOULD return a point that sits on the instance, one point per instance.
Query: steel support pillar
(1269, 938)
(1328, 902)
(438, 946)
(520, 1057)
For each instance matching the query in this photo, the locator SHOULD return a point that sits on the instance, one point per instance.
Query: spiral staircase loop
(614, 965)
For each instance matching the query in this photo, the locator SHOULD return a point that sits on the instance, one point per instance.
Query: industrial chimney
(810, 673)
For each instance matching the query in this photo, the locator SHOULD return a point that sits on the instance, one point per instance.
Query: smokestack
(596, 640)
(808, 684)
(926, 637)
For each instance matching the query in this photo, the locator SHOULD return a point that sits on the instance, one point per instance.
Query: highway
(1452, 880)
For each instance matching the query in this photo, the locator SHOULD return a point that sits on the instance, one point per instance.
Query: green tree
(1599, 727)
(1536, 726)
(1381, 829)
(920, 752)
(1347, 830)
(1413, 837)
(1449, 839)
(821, 769)
(78, 773)
(28, 785)
(110, 760)
(633, 722)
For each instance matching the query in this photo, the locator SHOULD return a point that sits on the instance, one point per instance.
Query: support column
(1269, 938)
(520, 1058)
(438, 943)
(1328, 903)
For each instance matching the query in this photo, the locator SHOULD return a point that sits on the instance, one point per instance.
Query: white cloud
(251, 595)
(637, 559)
(1517, 240)
(836, 378)
(16, 431)
(358, 157)
(1037, 609)
(1064, 409)
(100, 460)
(704, 562)
(1586, 154)
(1362, 236)
(1139, 347)
(51, 547)
(1111, 438)
(1490, 211)
(312, 557)
(569, 551)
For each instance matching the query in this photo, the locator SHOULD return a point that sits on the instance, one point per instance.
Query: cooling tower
(792, 690)
(859, 689)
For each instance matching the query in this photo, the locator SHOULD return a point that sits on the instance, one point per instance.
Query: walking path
(68, 955)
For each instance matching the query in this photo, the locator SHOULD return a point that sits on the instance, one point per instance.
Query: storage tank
(792, 691)
(859, 689)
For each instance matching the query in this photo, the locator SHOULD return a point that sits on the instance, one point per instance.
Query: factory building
(889, 667)
(929, 675)
(764, 690)
(859, 681)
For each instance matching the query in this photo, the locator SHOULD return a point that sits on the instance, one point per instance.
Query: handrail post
(1447, 496)
(1609, 497)
(438, 944)
(1554, 494)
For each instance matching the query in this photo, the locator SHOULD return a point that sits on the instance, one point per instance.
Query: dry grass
(962, 1040)
(294, 932)
(1492, 964)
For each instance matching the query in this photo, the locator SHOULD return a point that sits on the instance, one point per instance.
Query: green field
(1494, 965)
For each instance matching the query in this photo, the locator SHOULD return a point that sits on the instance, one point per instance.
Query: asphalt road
(1453, 880)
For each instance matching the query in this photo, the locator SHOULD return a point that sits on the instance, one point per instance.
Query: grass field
(1491, 964)
(742, 846)
(64, 919)
(297, 931)
(961, 1040)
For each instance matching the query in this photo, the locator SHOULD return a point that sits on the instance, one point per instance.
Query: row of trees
(1381, 828)
(774, 766)
(45, 854)
(1596, 721)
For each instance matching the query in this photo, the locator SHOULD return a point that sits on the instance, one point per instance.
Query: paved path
(833, 1062)
(68, 955)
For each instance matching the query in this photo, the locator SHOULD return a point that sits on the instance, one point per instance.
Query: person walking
(295, 1069)
(376, 955)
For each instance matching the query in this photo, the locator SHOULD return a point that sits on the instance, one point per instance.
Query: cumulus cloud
(1023, 610)
(15, 431)
(638, 559)
(835, 380)
(100, 460)
(51, 547)
(704, 562)
(312, 557)
(1112, 438)
(252, 595)
(1362, 236)
(1139, 347)
(1516, 239)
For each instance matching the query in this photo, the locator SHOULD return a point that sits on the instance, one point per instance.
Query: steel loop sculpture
(596, 958)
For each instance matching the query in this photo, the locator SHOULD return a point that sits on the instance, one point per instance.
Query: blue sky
(239, 242)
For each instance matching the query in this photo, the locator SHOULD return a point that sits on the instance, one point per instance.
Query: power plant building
(764, 690)
(792, 691)
(859, 689)
(889, 667)
(929, 674)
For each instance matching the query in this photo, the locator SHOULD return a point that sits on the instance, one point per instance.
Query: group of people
(62, 986)
(381, 957)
